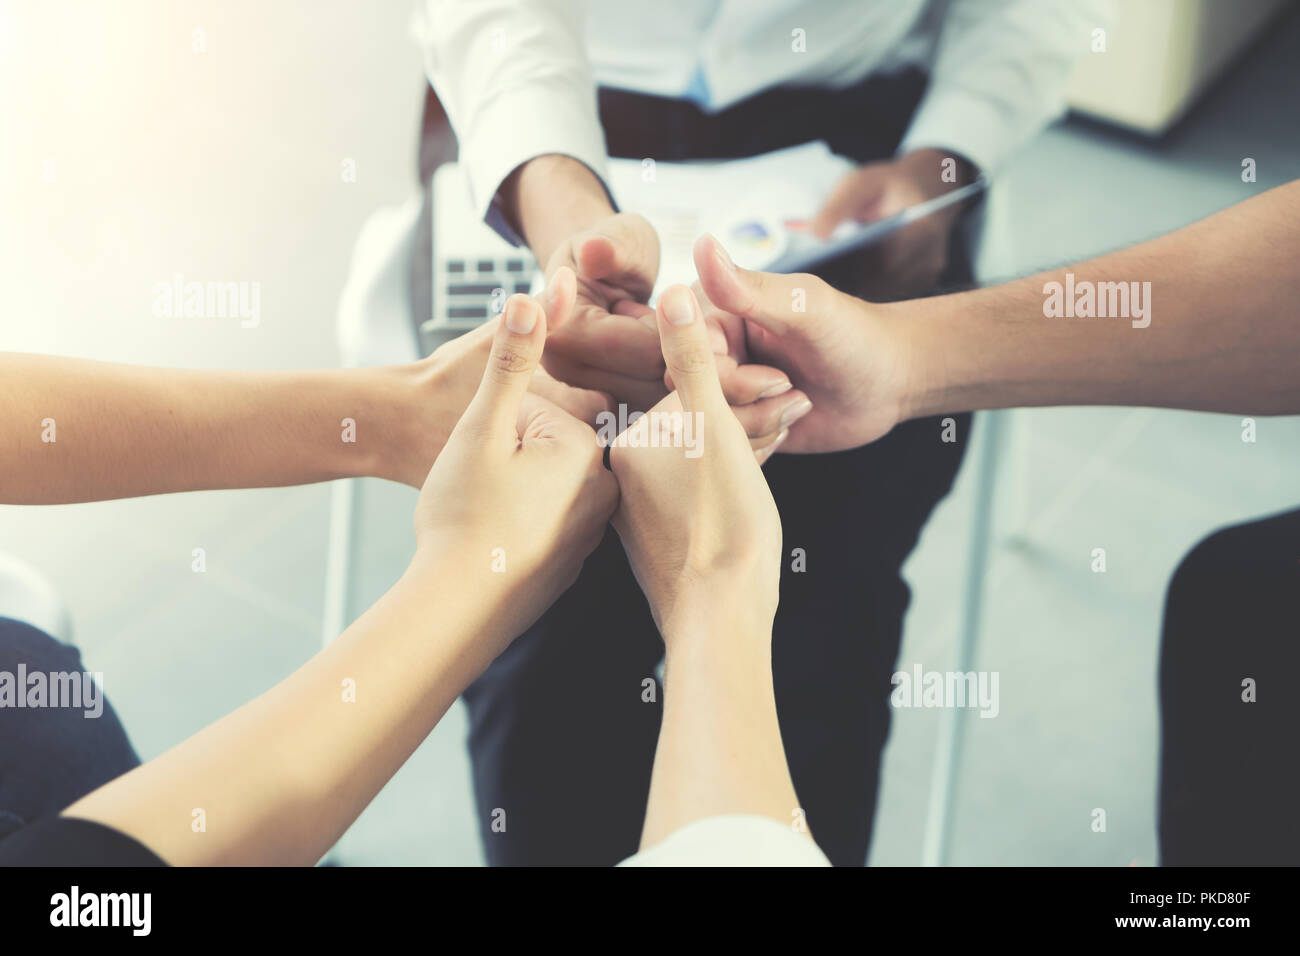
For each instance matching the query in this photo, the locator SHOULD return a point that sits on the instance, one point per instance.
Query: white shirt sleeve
(732, 840)
(999, 74)
(514, 79)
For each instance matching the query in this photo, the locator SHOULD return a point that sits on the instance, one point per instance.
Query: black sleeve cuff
(67, 841)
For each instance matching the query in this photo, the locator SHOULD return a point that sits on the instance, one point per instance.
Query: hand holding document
(757, 207)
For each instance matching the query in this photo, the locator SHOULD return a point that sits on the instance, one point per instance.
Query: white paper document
(758, 208)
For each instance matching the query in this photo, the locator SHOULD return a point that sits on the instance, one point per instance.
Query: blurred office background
(146, 139)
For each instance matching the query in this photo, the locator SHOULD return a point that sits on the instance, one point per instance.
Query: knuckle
(510, 359)
(734, 387)
(770, 424)
(690, 361)
(760, 285)
(759, 421)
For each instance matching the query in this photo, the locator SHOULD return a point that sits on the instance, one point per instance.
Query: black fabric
(67, 841)
(561, 739)
(1229, 773)
(52, 756)
(864, 122)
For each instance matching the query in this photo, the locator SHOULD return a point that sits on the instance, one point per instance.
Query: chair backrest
(27, 595)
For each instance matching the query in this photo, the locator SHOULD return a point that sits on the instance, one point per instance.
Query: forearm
(279, 780)
(1222, 298)
(550, 198)
(74, 430)
(720, 749)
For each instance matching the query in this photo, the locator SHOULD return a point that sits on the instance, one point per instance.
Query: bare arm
(280, 779)
(720, 749)
(74, 430)
(1222, 297)
(703, 538)
(1206, 318)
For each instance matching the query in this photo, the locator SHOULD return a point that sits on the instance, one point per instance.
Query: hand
(610, 325)
(434, 392)
(911, 261)
(562, 209)
(841, 351)
(519, 496)
(610, 343)
(696, 516)
(761, 396)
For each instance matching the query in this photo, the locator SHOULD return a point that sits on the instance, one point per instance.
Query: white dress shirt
(518, 77)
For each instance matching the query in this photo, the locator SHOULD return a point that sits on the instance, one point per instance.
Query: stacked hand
(844, 353)
(519, 492)
(695, 515)
(694, 504)
(610, 343)
(520, 482)
(430, 395)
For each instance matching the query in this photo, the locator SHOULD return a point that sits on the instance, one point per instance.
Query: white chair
(27, 595)
(374, 328)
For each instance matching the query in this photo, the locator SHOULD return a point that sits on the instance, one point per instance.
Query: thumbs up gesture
(519, 496)
(695, 516)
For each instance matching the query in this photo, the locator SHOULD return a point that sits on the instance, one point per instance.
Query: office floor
(225, 163)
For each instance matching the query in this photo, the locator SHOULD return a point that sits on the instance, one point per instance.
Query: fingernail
(722, 257)
(764, 454)
(521, 315)
(779, 388)
(551, 294)
(795, 412)
(678, 307)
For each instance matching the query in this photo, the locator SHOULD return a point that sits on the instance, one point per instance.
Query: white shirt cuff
(733, 840)
(970, 125)
(514, 129)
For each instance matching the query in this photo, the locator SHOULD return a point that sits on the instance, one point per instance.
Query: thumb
(516, 351)
(559, 297)
(610, 258)
(688, 353)
(774, 302)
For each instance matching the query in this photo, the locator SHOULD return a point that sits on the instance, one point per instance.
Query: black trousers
(561, 738)
(1229, 707)
(51, 756)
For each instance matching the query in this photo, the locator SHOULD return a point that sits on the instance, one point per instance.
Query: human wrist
(409, 436)
(981, 349)
(549, 198)
(923, 337)
(350, 410)
(428, 621)
(468, 614)
(723, 613)
(720, 646)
